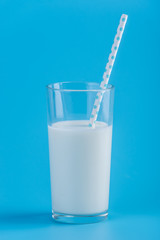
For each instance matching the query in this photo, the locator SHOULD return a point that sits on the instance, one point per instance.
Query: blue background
(46, 41)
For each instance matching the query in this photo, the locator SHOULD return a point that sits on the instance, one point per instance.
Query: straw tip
(124, 16)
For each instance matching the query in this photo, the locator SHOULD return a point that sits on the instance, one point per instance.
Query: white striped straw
(108, 68)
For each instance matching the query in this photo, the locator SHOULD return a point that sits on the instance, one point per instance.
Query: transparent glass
(79, 155)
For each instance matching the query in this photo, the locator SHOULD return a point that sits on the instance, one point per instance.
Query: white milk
(80, 167)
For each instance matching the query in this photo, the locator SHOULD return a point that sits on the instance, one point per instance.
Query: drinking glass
(80, 155)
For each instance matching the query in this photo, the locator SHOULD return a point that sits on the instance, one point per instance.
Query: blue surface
(44, 41)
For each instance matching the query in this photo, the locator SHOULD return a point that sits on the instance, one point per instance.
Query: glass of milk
(80, 156)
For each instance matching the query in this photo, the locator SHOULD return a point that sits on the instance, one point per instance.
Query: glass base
(79, 219)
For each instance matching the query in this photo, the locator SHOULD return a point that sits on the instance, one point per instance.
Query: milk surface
(80, 167)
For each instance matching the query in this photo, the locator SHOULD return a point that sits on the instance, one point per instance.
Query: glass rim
(51, 87)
